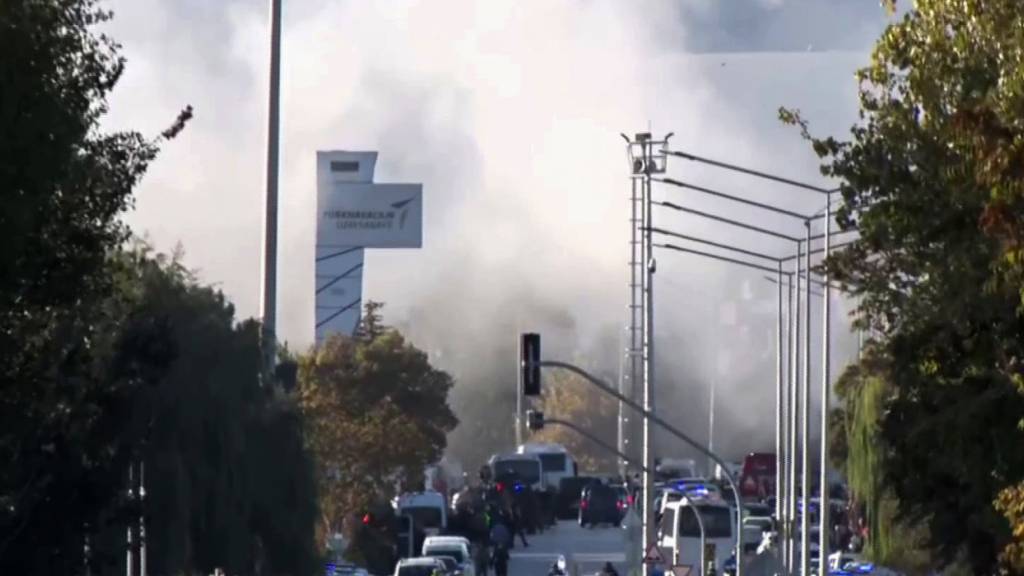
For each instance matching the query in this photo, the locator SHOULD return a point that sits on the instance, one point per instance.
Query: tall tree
(63, 186)
(931, 178)
(377, 415)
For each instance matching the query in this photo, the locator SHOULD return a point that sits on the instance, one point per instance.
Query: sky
(510, 113)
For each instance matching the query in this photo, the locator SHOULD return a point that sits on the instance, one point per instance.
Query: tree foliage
(229, 483)
(568, 397)
(931, 178)
(377, 415)
(65, 389)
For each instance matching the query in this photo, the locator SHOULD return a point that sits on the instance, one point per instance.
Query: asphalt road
(588, 548)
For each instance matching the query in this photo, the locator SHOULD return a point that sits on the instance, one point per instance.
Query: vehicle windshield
(527, 471)
(424, 516)
(415, 570)
(455, 553)
(717, 522)
(553, 462)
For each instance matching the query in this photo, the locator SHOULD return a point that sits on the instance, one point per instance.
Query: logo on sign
(371, 219)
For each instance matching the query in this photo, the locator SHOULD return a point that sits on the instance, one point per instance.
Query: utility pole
(805, 449)
(269, 292)
(794, 418)
(825, 528)
(649, 528)
(645, 163)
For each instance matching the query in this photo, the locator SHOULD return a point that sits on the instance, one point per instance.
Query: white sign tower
(353, 213)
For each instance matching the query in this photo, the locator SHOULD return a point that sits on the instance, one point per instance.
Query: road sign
(653, 555)
(681, 570)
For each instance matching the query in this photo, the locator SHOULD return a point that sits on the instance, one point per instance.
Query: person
(558, 568)
(517, 521)
(609, 570)
(499, 559)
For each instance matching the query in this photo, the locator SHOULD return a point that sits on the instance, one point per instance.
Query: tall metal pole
(142, 517)
(779, 398)
(131, 498)
(519, 394)
(269, 292)
(711, 413)
(825, 528)
(648, 486)
(794, 417)
(805, 448)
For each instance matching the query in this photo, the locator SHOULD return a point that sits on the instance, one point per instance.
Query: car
(457, 547)
(427, 509)
(569, 492)
(599, 505)
(421, 566)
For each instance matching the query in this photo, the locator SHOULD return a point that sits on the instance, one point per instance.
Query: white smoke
(509, 113)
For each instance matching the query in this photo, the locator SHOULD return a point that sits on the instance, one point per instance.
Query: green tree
(63, 187)
(229, 483)
(377, 415)
(568, 397)
(931, 179)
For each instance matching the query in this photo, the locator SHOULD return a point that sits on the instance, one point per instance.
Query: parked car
(422, 566)
(599, 505)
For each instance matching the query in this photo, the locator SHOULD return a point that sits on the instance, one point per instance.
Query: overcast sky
(509, 113)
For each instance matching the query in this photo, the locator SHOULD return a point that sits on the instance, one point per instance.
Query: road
(589, 548)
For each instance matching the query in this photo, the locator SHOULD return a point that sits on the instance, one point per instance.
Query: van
(427, 509)
(679, 532)
(527, 468)
(554, 459)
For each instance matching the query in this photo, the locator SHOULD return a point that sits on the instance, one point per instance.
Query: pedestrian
(517, 526)
(500, 561)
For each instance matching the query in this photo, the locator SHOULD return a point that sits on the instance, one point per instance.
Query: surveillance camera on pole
(530, 364)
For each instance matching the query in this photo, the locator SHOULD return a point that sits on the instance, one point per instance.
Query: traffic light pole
(652, 417)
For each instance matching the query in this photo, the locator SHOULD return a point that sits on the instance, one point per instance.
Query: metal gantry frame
(788, 401)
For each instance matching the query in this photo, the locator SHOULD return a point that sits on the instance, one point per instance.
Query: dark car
(567, 503)
(599, 504)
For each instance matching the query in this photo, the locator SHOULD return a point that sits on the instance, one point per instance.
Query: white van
(554, 459)
(527, 468)
(427, 509)
(457, 547)
(679, 532)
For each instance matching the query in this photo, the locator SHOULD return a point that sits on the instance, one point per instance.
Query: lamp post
(269, 292)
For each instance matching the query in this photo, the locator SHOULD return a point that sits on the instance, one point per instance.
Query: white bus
(679, 532)
(526, 467)
(554, 459)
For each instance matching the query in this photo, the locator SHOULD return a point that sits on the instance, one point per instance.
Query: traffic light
(534, 420)
(529, 364)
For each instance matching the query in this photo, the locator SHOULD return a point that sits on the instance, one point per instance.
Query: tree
(931, 178)
(229, 482)
(568, 397)
(63, 187)
(377, 415)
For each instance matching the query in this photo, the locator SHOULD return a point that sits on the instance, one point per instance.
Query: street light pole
(794, 415)
(825, 528)
(269, 292)
(779, 399)
(805, 449)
